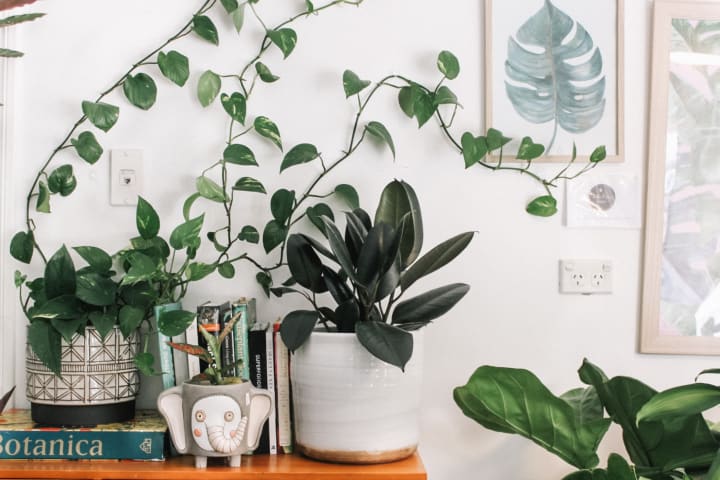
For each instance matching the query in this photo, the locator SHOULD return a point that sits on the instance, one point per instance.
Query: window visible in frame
(681, 278)
(553, 71)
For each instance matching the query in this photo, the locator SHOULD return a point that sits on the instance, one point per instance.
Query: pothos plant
(665, 434)
(219, 183)
(370, 270)
(14, 20)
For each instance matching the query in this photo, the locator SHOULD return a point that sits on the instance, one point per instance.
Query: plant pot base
(356, 457)
(81, 415)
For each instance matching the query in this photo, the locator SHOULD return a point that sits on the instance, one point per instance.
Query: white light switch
(126, 176)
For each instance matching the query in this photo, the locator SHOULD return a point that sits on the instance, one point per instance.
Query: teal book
(245, 306)
(142, 438)
(164, 351)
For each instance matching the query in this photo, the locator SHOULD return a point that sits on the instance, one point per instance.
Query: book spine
(240, 338)
(227, 349)
(85, 445)
(165, 353)
(282, 394)
(193, 362)
(209, 317)
(270, 368)
(258, 377)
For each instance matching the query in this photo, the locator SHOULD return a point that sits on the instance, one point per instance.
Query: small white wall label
(126, 176)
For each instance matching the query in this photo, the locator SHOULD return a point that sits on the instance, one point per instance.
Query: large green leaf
(235, 105)
(62, 180)
(43, 198)
(140, 90)
(198, 270)
(175, 322)
(378, 130)
(22, 246)
(349, 195)
(339, 249)
(302, 153)
(205, 28)
(352, 83)
(317, 211)
(422, 309)
(400, 208)
(512, 400)
(238, 154)
(147, 220)
(208, 87)
(103, 321)
(474, 148)
(142, 268)
(448, 65)
(281, 205)
(680, 401)
(96, 289)
(543, 206)
(102, 115)
(59, 274)
(264, 73)
(273, 235)
(129, 319)
(175, 66)
(304, 264)
(87, 147)
(377, 254)
(386, 342)
(210, 190)
(249, 184)
(554, 72)
(184, 234)
(267, 128)
(64, 307)
(45, 342)
(285, 39)
(296, 328)
(249, 234)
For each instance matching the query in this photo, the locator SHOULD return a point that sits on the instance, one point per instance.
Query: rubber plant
(218, 184)
(665, 435)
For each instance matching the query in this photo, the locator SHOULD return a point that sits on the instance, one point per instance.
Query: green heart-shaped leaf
(140, 90)
(264, 73)
(544, 206)
(22, 246)
(448, 65)
(205, 28)
(102, 115)
(235, 105)
(208, 87)
(146, 219)
(285, 39)
(175, 66)
(249, 184)
(379, 131)
(352, 83)
(267, 128)
(239, 155)
(302, 153)
(87, 147)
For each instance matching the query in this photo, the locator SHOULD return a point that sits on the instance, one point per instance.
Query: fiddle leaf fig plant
(369, 271)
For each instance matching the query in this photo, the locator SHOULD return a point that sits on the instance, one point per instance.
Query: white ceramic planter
(351, 407)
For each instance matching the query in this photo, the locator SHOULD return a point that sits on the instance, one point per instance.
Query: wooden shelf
(265, 467)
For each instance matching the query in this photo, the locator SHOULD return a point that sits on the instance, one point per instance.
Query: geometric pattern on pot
(94, 371)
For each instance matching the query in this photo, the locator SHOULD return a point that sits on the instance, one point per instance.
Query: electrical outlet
(585, 276)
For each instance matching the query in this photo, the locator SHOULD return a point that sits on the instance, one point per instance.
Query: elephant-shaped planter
(215, 420)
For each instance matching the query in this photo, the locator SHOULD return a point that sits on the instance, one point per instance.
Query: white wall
(513, 315)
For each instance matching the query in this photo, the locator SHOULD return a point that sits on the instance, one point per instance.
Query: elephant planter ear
(170, 405)
(260, 406)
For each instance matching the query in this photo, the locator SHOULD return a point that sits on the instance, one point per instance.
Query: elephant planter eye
(200, 416)
(229, 416)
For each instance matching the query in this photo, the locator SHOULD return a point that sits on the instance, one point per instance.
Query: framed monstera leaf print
(553, 71)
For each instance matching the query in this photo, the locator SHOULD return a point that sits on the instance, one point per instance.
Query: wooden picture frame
(681, 281)
(524, 94)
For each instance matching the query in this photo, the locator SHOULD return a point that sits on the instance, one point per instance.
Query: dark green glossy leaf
(205, 28)
(146, 219)
(273, 235)
(585, 402)
(281, 205)
(103, 321)
(400, 208)
(436, 258)
(339, 290)
(304, 264)
(319, 247)
(445, 96)
(142, 268)
(267, 128)
(249, 184)
(141, 295)
(376, 256)
(235, 105)
(346, 316)
(185, 234)
(514, 401)
(495, 139)
(59, 274)
(175, 66)
(226, 270)
(140, 90)
(22, 246)
(129, 319)
(386, 342)
(428, 306)
(96, 289)
(529, 150)
(64, 307)
(474, 149)
(310, 7)
(69, 327)
(349, 195)
(379, 131)
(249, 234)
(317, 211)
(265, 281)
(210, 190)
(680, 401)
(448, 65)
(102, 115)
(302, 153)
(543, 206)
(264, 73)
(339, 249)
(229, 5)
(619, 469)
(43, 198)
(352, 83)
(598, 155)
(197, 270)
(45, 342)
(208, 87)
(285, 39)
(144, 362)
(62, 180)
(238, 154)
(423, 106)
(406, 101)
(87, 147)
(296, 328)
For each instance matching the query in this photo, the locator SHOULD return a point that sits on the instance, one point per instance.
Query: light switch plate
(126, 176)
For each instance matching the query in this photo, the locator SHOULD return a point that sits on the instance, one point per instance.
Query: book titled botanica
(142, 438)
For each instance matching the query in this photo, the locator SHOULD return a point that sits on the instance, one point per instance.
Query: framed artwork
(553, 71)
(681, 278)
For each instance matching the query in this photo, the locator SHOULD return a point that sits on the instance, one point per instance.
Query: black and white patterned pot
(99, 380)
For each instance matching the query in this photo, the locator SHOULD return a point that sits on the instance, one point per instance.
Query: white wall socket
(585, 276)
(126, 176)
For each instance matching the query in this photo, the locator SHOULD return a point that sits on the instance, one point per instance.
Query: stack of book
(257, 353)
(143, 438)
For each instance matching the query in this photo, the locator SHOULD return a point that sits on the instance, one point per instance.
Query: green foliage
(371, 261)
(208, 87)
(175, 66)
(140, 90)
